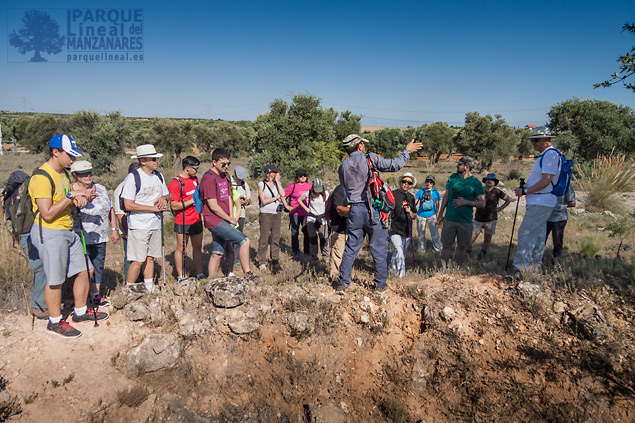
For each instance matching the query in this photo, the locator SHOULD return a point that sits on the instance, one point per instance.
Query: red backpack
(380, 196)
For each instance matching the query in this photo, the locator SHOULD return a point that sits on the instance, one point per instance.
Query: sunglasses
(152, 159)
(302, 176)
(225, 164)
(406, 182)
(195, 168)
(83, 175)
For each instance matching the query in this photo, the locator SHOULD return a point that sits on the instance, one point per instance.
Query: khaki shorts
(489, 227)
(459, 231)
(143, 243)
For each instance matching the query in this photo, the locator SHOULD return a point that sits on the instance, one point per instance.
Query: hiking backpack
(198, 200)
(380, 196)
(182, 185)
(564, 179)
(137, 184)
(21, 211)
(427, 201)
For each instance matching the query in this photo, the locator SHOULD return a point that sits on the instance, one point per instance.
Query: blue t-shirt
(435, 197)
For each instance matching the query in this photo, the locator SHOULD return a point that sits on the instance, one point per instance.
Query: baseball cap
(66, 143)
(352, 140)
(467, 161)
(240, 172)
(318, 186)
(271, 168)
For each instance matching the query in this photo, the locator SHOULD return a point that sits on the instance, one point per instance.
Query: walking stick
(182, 255)
(162, 250)
(511, 238)
(414, 264)
(81, 231)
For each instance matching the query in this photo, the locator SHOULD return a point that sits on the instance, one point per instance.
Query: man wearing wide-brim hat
(540, 202)
(145, 197)
(485, 219)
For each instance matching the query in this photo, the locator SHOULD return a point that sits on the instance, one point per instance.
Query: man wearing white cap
(145, 197)
(59, 248)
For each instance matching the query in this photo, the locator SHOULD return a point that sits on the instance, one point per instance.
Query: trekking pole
(511, 238)
(183, 255)
(412, 245)
(163, 250)
(81, 231)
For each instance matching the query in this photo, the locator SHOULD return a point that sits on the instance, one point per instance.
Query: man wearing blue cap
(59, 247)
(485, 219)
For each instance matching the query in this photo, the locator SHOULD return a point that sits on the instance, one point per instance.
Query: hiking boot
(252, 278)
(230, 275)
(63, 330)
(89, 316)
(138, 288)
(200, 276)
(275, 267)
(340, 289)
(40, 313)
(97, 302)
(381, 290)
(515, 276)
(181, 278)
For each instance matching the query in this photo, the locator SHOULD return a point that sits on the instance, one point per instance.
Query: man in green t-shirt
(463, 192)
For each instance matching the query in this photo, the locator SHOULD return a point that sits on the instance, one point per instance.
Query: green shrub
(605, 177)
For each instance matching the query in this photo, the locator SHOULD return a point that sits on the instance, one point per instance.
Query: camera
(280, 208)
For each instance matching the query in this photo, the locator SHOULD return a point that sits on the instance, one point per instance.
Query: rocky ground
(442, 347)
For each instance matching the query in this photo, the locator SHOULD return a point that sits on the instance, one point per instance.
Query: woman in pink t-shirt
(297, 214)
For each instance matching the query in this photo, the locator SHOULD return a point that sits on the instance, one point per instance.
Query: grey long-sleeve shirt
(353, 172)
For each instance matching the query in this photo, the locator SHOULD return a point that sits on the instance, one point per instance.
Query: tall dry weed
(15, 274)
(605, 177)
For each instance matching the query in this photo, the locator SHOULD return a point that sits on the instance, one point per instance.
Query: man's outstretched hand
(414, 146)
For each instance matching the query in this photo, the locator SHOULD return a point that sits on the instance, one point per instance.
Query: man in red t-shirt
(217, 203)
(187, 221)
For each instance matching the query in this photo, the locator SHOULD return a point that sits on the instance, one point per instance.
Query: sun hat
(411, 176)
(491, 176)
(146, 151)
(318, 186)
(541, 132)
(82, 166)
(66, 143)
(271, 168)
(430, 178)
(352, 140)
(466, 160)
(240, 172)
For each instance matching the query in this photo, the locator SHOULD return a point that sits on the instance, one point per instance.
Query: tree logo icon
(40, 34)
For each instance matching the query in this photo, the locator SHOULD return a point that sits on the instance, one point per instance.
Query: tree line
(302, 133)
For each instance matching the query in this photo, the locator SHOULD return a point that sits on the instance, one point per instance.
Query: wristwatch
(69, 196)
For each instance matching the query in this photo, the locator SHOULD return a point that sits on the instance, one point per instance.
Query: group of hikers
(73, 218)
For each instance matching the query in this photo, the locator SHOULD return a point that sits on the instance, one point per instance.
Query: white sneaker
(230, 275)
(402, 274)
(262, 267)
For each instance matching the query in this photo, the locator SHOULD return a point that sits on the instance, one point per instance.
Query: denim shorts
(224, 233)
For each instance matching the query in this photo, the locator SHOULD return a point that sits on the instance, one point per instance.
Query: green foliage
(169, 137)
(487, 139)
(621, 229)
(228, 136)
(387, 141)
(348, 123)
(39, 130)
(297, 135)
(593, 127)
(627, 66)
(99, 137)
(524, 147)
(437, 139)
(605, 177)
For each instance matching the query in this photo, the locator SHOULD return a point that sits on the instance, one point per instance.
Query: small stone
(456, 326)
(447, 313)
(359, 342)
(299, 322)
(243, 327)
(137, 311)
(364, 318)
(559, 307)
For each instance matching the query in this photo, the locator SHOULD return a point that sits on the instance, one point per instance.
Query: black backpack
(137, 184)
(21, 211)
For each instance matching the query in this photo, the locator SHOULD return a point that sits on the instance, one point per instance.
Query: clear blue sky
(396, 63)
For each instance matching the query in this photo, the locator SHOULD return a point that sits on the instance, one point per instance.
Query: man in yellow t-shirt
(60, 248)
